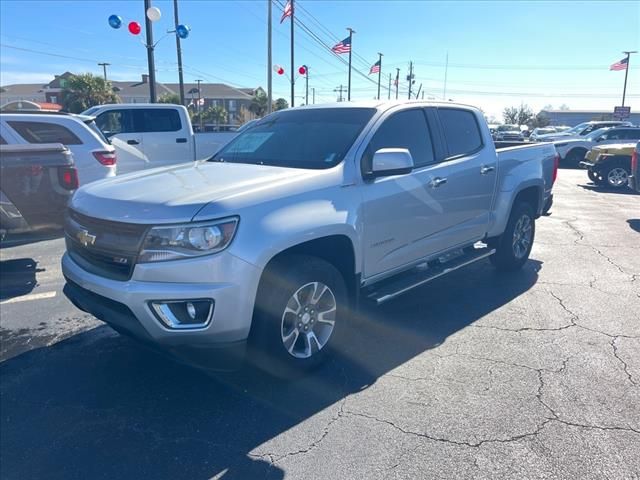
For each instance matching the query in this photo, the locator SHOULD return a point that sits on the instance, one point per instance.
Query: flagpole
(292, 58)
(626, 74)
(397, 81)
(351, 32)
(389, 90)
(446, 70)
(269, 60)
(379, 72)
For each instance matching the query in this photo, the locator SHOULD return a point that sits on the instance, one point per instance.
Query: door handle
(181, 140)
(484, 170)
(436, 182)
(133, 142)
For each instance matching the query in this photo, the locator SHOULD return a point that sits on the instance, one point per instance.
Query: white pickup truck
(273, 241)
(148, 135)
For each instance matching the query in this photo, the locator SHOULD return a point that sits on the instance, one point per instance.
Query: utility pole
(178, 51)
(626, 74)
(306, 87)
(293, 12)
(351, 32)
(339, 90)
(389, 90)
(148, 25)
(199, 106)
(418, 94)
(379, 72)
(397, 81)
(269, 60)
(104, 69)
(446, 70)
(314, 95)
(410, 78)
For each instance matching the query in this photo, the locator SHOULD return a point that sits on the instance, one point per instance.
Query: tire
(616, 175)
(512, 254)
(593, 176)
(298, 298)
(574, 157)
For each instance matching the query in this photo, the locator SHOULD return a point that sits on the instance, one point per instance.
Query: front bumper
(587, 164)
(230, 282)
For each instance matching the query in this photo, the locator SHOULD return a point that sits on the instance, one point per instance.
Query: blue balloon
(115, 21)
(183, 31)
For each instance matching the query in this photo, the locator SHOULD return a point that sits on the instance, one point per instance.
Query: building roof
(23, 89)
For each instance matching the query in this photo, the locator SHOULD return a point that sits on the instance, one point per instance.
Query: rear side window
(156, 120)
(41, 132)
(407, 129)
(631, 134)
(461, 131)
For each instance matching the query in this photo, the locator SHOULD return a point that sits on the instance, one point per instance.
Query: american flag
(621, 65)
(375, 68)
(342, 47)
(287, 12)
(395, 82)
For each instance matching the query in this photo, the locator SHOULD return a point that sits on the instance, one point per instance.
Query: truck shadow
(17, 277)
(603, 189)
(97, 405)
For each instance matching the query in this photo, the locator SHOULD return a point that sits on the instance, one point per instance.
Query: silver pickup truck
(272, 242)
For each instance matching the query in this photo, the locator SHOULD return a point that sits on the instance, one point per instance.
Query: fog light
(184, 314)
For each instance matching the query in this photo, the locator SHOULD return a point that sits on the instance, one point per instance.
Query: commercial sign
(621, 113)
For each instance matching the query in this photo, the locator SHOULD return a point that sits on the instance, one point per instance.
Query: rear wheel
(616, 175)
(299, 314)
(514, 245)
(574, 157)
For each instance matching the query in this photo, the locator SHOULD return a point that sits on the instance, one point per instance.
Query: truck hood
(176, 194)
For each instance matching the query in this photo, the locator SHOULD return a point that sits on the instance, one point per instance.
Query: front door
(117, 126)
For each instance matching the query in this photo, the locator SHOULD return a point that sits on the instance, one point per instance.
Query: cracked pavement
(477, 375)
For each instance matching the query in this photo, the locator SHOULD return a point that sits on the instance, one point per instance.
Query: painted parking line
(27, 298)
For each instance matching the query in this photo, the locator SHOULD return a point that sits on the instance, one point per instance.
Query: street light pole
(150, 47)
(306, 87)
(104, 69)
(179, 51)
(626, 74)
(199, 107)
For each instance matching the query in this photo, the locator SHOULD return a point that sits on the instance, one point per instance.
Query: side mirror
(391, 161)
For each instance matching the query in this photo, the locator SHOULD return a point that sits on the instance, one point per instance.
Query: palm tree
(281, 104)
(172, 98)
(259, 104)
(86, 90)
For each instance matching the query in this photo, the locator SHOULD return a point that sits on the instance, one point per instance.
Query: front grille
(103, 247)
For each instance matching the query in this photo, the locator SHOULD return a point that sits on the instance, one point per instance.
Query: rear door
(167, 139)
(117, 126)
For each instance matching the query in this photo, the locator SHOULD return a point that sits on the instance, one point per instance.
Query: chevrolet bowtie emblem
(85, 238)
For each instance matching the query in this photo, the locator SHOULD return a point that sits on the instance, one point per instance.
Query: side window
(461, 131)
(2, 141)
(614, 135)
(157, 120)
(407, 129)
(42, 132)
(631, 134)
(113, 122)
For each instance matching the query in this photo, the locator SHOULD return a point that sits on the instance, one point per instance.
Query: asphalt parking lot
(477, 375)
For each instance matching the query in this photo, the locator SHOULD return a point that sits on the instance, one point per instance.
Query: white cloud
(8, 77)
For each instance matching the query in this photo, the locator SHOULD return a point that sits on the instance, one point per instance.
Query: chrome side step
(395, 286)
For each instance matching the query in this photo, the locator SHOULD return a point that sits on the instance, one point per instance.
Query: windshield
(315, 138)
(577, 129)
(596, 133)
(507, 128)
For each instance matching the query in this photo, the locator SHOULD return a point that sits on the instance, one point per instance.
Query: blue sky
(500, 52)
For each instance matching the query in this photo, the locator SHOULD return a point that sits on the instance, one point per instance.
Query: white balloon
(154, 14)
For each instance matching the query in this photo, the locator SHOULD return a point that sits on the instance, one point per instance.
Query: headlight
(172, 242)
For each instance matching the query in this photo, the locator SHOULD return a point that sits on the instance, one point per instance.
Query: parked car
(271, 242)
(541, 131)
(95, 159)
(573, 150)
(509, 133)
(634, 178)
(36, 182)
(582, 130)
(610, 165)
(148, 135)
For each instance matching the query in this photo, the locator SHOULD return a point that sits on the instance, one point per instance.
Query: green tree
(259, 104)
(522, 115)
(539, 121)
(280, 104)
(216, 114)
(172, 98)
(86, 90)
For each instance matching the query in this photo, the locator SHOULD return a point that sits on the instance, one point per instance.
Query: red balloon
(302, 70)
(134, 28)
(280, 71)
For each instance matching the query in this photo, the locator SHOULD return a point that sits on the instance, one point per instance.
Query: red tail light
(634, 163)
(105, 157)
(556, 163)
(69, 178)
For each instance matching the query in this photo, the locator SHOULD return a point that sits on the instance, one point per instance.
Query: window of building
(232, 105)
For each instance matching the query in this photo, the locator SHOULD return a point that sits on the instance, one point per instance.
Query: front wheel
(514, 245)
(299, 315)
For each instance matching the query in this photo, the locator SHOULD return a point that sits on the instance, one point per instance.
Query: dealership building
(574, 117)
